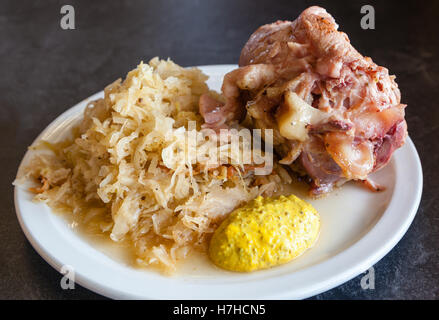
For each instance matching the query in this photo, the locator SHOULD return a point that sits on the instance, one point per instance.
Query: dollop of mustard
(264, 233)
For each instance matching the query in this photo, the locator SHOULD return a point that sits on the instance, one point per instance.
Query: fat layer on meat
(363, 122)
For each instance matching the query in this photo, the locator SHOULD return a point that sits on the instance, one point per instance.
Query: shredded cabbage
(131, 173)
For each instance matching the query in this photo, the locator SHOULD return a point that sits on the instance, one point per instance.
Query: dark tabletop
(45, 70)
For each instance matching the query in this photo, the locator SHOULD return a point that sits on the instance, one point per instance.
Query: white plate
(358, 228)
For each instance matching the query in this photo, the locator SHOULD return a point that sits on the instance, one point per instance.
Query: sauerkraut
(130, 173)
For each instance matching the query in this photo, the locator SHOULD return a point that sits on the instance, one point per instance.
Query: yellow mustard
(264, 233)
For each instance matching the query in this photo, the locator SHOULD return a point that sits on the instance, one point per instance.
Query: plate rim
(336, 279)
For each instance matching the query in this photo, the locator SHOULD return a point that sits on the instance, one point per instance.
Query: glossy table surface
(45, 70)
